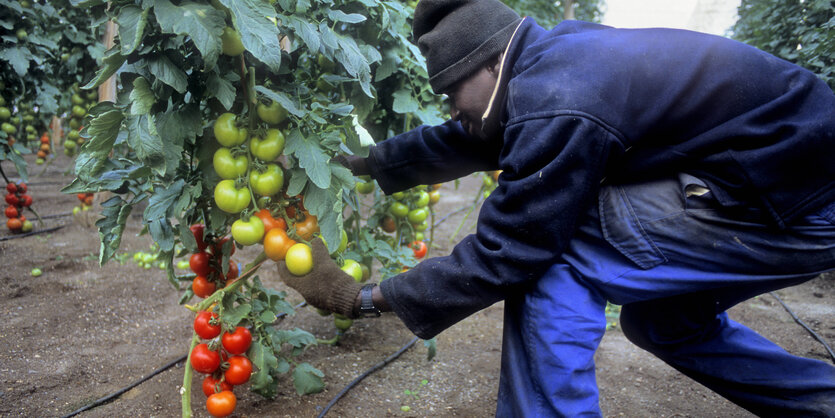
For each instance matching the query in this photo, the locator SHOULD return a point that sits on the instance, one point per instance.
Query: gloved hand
(326, 286)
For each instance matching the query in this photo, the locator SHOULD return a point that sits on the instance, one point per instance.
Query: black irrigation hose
(118, 393)
(367, 373)
(806, 327)
(39, 231)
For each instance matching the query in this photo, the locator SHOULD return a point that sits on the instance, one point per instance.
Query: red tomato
(237, 342)
(199, 263)
(21, 188)
(197, 230)
(217, 248)
(27, 200)
(221, 404)
(212, 385)
(203, 326)
(203, 359)
(419, 248)
(202, 287)
(240, 368)
(269, 221)
(14, 224)
(12, 199)
(11, 187)
(11, 212)
(232, 273)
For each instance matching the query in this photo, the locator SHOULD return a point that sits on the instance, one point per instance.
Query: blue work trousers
(676, 261)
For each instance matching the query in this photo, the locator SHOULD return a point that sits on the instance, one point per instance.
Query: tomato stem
(185, 392)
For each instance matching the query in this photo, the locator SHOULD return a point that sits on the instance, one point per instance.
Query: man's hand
(326, 286)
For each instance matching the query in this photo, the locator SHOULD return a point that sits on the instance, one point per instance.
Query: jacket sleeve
(552, 167)
(428, 155)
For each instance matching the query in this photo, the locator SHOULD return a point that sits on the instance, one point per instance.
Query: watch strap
(367, 308)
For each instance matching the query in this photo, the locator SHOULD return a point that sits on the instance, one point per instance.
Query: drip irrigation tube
(367, 373)
(118, 393)
(39, 231)
(806, 327)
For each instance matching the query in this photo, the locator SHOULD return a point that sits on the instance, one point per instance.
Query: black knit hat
(459, 36)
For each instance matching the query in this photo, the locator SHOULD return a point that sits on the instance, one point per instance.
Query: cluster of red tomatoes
(17, 199)
(206, 264)
(44, 149)
(223, 360)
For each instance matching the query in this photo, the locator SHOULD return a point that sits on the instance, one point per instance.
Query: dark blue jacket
(586, 103)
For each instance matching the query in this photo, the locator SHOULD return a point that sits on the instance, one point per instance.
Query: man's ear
(495, 64)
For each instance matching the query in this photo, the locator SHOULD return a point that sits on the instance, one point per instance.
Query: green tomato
(267, 182)
(269, 148)
(27, 226)
(227, 132)
(419, 236)
(365, 187)
(423, 226)
(353, 269)
(70, 145)
(183, 265)
(399, 209)
(39, 161)
(78, 111)
(8, 128)
(422, 200)
(418, 215)
(76, 99)
(398, 195)
(231, 42)
(343, 243)
(73, 135)
(230, 198)
(248, 232)
(74, 124)
(227, 166)
(5, 113)
(325, 65)
(36, 272)
(21, 34)
(273, 113)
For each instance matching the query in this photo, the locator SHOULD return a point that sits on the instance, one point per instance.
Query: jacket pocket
(622, 229)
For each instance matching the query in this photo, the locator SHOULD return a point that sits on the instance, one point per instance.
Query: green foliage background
(802, 32)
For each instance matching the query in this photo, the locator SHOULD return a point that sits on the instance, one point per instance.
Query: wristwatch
(367, 308)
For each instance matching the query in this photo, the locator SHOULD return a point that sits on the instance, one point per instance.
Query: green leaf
(115, 212)
(311, 157)
(18, 58)
(111, 63)
(265, 363)
(305, 30)
(404, 102)
(340, 16)
(298, 179)
(131, 22)
(162, 233)
(221, 89)
(234, 315)
(431, 348)
(201, 22)
(146, 143)
(166, 71)
(308, 379)
(161, 202)
(354, 62)
(255, 20)
(326, 205)
(141, 97)
(103, 130)
(285, 101)
(296, 337)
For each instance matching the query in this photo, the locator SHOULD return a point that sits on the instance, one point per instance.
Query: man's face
(469, 98)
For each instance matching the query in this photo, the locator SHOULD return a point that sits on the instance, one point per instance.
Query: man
(671, 172)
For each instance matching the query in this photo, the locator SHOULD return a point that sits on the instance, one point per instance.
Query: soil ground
(80, 332)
